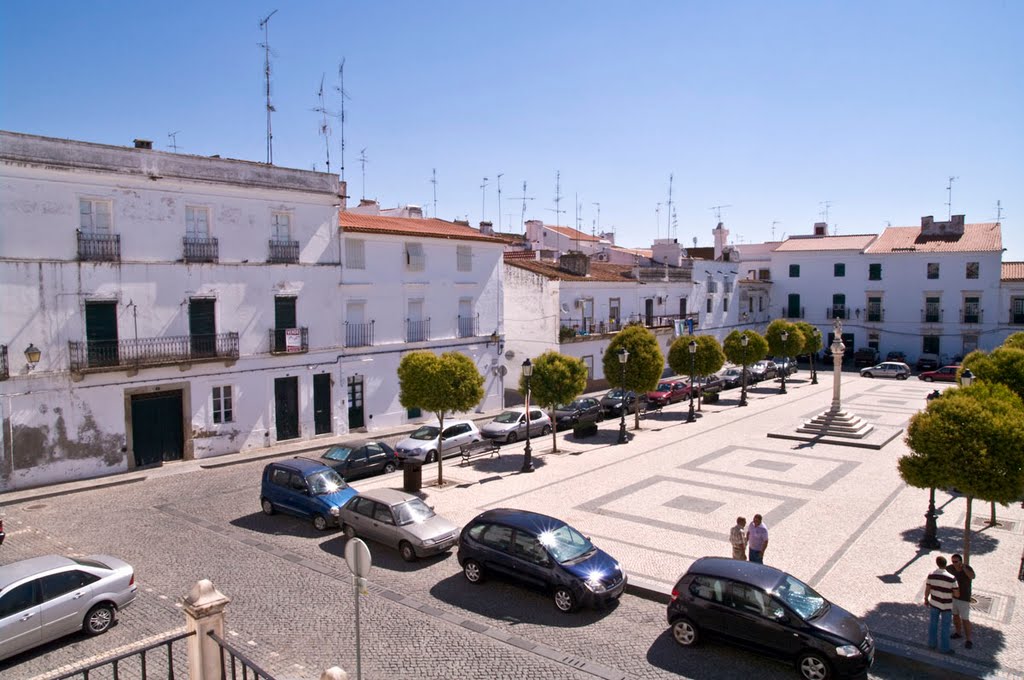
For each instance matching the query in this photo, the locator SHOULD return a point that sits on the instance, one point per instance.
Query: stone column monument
(836, 422)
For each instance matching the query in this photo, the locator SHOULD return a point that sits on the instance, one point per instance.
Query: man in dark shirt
(963, 574)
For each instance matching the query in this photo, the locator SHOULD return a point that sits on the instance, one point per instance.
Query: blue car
(304, 488)
(543, 552)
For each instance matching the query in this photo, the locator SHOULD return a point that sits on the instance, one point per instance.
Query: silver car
(45, 598)
(510, 425)
(398, 520)
(887, 369)
(423, 444)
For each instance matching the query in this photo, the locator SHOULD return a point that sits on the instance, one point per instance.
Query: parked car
(304, 488)
(510, 425)
(360, 458)
(668, 392)
(540, 551)
(887, 369)
(784, 364)
(896, 356)
(944, 374)
(617, 400)
(927, 362)
(708, 384)
(764, 370)
(48, 597)
(2, 534)
(771, 612)
(865, 356)
(422, 445)
(398, 520)
(732, 377)
(579, 411)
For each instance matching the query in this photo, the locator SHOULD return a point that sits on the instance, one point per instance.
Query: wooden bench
(473, 449)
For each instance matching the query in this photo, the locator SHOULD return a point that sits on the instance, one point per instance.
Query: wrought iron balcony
(283, 252)
(417, 331)
(875, 315)
(289, 340)
(795, 313)
(120, 354)
(971, 315)
(99, 247)
(469, 326)
(5, 371)
(358, 334)
(931, 315)
(1016, 317)
(836, 312)
(201, 249)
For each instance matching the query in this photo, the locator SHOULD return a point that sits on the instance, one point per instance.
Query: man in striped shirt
(939, 591)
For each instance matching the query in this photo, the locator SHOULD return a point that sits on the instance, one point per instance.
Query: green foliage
(756, 349)
(708, 358)
(794, 343)
(812, 338)
(1015, 340)
(644, 366)
(565, 333)
(557, 379)
(1003, 365)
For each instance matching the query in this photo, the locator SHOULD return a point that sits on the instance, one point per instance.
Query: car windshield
(413, 511)
(571, 406)
(565, 543)
(338, 453)
(800, 597)
(325, 482)
(664, 387)
(508, 417)
(425, 432)
(615, 394)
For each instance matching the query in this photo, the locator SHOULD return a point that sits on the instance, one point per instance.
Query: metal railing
(788, 313)
(289, 340)
(468, 326)
(115, 354)
(136, 664)
(971, 316)
(358, 334)
(200, 249)
(836, 312)
(875, 315)
(283, 252)
(1016, 317)
(931, 315)
(232, 660)
(417, 331)
(5, 371)
(99, 247)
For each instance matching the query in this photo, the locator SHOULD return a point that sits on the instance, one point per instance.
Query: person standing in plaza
(738, 538)
(757, 540)
(964, 574)
(939, 591)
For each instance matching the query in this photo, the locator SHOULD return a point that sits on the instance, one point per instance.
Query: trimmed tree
(972, 438)
(643, 369)
(792, 345)
(450, 382)
(1015, 340)
(709, 357)
(736, 353)
(557, 379)
(1004, 365)
(812, 344)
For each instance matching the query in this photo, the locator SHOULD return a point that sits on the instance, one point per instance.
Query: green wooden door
(157, 430)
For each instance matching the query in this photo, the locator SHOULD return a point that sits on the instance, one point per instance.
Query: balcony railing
(289, 340)
(283, 252)
(117, 354)
(469, 326)
(971, 315)
(875, 315)
(836, 312)
(201, 249)
(1016, 317)
(417, 331)
(793, 313)
(358, 334)
(99, 247)
(931, 315)
(5, 371)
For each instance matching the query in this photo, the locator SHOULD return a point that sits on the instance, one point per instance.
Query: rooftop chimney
(953, 228)
(143, 144)
(487, 228)
(721, 235)
(821, 228)
(575, 262)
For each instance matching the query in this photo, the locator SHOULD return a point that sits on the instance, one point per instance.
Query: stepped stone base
(837, 424)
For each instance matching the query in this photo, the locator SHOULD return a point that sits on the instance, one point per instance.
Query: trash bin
(412, 475)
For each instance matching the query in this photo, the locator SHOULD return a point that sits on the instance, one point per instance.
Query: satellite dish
(565, 308)
(501, 370)
(510, 355)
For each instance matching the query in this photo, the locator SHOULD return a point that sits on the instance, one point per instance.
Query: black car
(582, 410)
(617, 399)
(2, 534)
(543, 552)
(769, 611)
(360, 458)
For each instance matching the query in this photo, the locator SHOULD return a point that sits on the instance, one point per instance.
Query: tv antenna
(774, 222)
(433, 180)
(949, 201)
(597, 228)
(657, 220)
(824, 212)
(718, 211)
(579, 206)
(675, 224)
(363, 160)
(483, 200)
(265, 25)
(999, 211)
(500, 175)
(174, 142)
(340, 88)
(558, 196)
(325, 129)
(668, 211)
(522, 215)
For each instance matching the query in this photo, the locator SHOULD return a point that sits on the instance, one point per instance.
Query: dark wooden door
(286, 406)
(202, 327)
(284, 318)
(322, 403)
(101, 333)
(355, 402)
(157, 429)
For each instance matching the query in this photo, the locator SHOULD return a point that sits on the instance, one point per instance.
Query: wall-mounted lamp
(32, 355)
(495, 338)
(858, 312)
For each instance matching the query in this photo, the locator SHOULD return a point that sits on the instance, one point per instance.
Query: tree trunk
(440, 448)
(554, 431)
(636, 412)
(967, 532)
(992, 520)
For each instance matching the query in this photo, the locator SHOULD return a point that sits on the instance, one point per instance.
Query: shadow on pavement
(907, 624)
(710, 660)
(385, 557)
(952, 539)
(279, 524)
(503, 600)
(506, 463)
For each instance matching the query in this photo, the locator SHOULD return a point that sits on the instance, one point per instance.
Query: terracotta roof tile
(574, 234)
(985, 236)
(410, 226)
(817, 243)
(1012, 271)
(520, 255)
(600, 272)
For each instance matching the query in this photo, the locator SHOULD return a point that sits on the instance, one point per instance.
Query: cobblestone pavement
(839, 517)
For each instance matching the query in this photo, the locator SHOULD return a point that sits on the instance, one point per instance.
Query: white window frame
(90, 212)
(415, 259)
(355, 253)
(223, 404)
(463, 258)
(197, 221)
(281, 225)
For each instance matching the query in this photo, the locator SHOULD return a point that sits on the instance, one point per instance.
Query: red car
(668, 392)
(944, 374)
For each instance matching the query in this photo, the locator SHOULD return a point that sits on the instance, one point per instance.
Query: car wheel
(901, 377)
(268, 507)
(99, 619)
(600, 416)
(685, 633)
(545, 431)
(927, 378)
(868, 375)
(389, 467)
(564, 599)
(431, 456)
(349, 531)
(473, 572)
(319, 523)
(813, 666)
(405, 549)
(512, 438)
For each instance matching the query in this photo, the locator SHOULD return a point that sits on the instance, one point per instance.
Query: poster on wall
(293, 340)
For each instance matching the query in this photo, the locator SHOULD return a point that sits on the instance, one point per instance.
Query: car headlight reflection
(595, 583)
(848, 651)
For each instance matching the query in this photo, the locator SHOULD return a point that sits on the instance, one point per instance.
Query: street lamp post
(528, 451)
(744, 340)
(693, 355)
(785, 361)
(930, 540)
(623, 357)
(814, 369)
(966, 377)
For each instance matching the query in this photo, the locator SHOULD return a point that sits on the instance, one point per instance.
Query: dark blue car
(304, 488)
(543, 552)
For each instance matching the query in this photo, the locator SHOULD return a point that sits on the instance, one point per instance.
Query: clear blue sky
(770, 107)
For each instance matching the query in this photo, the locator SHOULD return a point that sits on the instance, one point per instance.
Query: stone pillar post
(334, 673)
(204, 612)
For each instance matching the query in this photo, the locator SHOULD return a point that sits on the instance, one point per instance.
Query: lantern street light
(785, 361)
(32, 355)
(693, 355)
(623, 357)
(966, 377)
(817, 345)
(744, 340)
(528, 451)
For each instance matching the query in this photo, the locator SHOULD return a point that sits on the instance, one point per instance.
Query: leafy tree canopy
(791, 346)
(756, 349)
(812, 338)
(1015, 340)
(645, 365)
(557, 379)
(708, 358)
(1003, 365)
